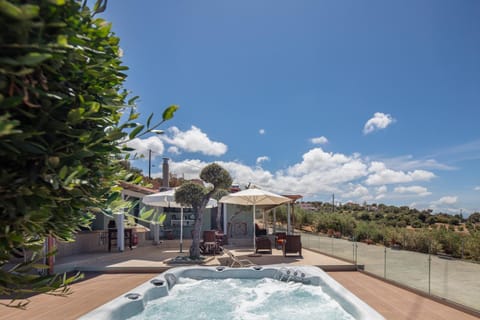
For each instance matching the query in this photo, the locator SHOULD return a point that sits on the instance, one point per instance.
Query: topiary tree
(197, 196)
(61, 134)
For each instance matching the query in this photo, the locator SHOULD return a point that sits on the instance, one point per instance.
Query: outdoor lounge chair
(292, 244)
(263, 244)
(236, 262)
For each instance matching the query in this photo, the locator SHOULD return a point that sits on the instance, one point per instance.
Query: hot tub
(260, 292)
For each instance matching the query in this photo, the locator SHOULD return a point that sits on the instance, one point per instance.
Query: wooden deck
(87, 295)
(393, 302)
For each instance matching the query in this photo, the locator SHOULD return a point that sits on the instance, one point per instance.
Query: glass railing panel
(408, 268)
(317, 242)
(307, 240)
(343, 249)
(310, 241)
(326, 245)
(372, 257)
(453, 279)
(456, 280)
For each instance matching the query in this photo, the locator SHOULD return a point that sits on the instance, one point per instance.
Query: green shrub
(61, 102)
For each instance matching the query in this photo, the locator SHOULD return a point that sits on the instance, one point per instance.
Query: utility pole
(333, 202)
(149, 163)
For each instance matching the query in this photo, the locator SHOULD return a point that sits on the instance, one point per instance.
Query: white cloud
(318, 160)
(194, 140)
(261, 131)
(382, 189)
(262, 159)
(189, 169)
(380, 174)
(244, 174)
(319, 140)
(357, 191)
(142, 146)
(318, 174)
(174, 150)
(379, 121)
(447, 200)
(477, 188)
(407, 162)
(380, 196)
(418, 190)
(466, 151)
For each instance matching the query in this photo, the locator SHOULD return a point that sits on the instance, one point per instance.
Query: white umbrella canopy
(166, 199)
(254, 197)
(161, 199)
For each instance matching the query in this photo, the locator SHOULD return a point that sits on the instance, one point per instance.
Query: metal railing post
(332, 246)
(353, 252)
(429, 266)
(354, 243)
(385, 263)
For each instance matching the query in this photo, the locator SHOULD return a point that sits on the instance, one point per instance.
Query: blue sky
(375, 101)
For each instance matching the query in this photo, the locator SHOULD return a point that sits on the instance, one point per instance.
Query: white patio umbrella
(166, 199)
(254, 197)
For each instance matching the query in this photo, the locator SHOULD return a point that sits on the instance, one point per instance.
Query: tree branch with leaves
(61, 134)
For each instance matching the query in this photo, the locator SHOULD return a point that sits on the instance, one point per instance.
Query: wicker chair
(263, 244)
(292, 244)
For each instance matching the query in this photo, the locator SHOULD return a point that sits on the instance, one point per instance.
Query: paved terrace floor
(155, 259)
(113, 274)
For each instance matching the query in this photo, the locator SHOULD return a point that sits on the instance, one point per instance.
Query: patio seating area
(156, 258)
(117, 272)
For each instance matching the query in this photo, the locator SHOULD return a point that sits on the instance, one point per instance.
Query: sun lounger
(236, 262)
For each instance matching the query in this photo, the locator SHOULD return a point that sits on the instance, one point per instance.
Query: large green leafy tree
(63, 122)
(197, 196)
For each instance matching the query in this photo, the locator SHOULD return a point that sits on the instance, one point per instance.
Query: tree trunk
(219, 218)
(197, 227)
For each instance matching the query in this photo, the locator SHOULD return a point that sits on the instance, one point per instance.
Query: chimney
(166, 174)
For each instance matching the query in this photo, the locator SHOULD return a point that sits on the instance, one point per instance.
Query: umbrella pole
(274, 220)
(254, 243)
(181, 229)
(288, 219)
(264, 221)
(225, 231)
(119, 218)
